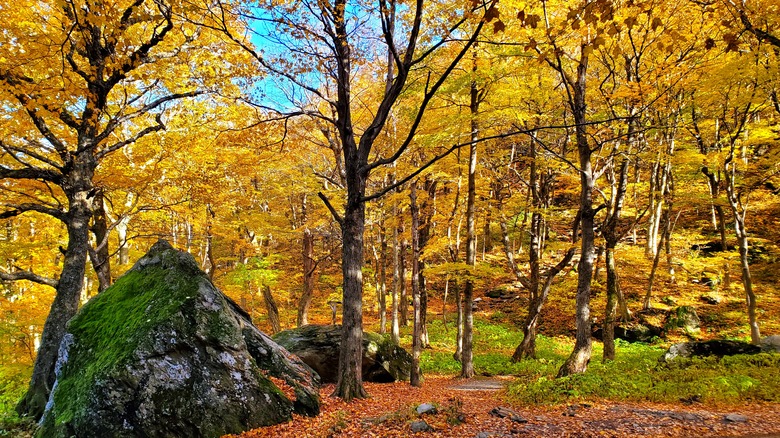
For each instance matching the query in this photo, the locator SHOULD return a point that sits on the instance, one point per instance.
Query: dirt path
(390, 412)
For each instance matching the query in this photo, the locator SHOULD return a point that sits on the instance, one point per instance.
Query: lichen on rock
(163, 353)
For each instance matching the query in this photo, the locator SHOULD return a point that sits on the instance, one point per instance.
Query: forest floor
(390, 411)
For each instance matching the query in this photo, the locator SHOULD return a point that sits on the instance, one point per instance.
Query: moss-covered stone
(163, 353)
(319, 345)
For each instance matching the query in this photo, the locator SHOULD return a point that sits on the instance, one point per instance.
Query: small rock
(572, 410)
(735, 418)
(696, 398)
(710, 299)
(426, 408)
(502, 412)
(420, 426)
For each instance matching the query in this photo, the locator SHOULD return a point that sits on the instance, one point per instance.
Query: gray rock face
(163, 353)
(420, 426)
(709, 348)
(771, 344)
(319, 345)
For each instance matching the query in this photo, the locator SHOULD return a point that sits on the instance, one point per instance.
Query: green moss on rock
(162, 353)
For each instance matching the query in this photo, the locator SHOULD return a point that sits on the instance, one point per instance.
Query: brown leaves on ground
(390, 410)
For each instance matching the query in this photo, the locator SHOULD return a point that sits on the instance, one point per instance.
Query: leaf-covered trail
(390, 411)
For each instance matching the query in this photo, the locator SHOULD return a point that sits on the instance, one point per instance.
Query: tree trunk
(414, 377)
(101, 261)
(458, 354)
(467, 364)
(747, 281)
(656, 260)
(273, 310)
(124, 244)
(404, 304)
(527, 347)
(382, 280)
(739, 211)
(609, 315)
(713, 182)
(308, 277)
(425, 223)
(66, 300)
(350, 382)
(209, 264)
(577, 362)
(395, 329)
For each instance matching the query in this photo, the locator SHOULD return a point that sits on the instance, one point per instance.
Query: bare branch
(29, 276)
(17, 209)
(31, 173)
(333, 211)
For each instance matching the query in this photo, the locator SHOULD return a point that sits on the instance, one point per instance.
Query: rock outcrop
(716, 347)
(632, 332)
(683, 317)
(163, 353)
(319, 345)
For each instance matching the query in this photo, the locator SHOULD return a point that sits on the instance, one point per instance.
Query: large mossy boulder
(163, 353)
(319, 345)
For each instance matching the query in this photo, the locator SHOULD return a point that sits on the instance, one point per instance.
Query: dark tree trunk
(458, 355)
(382, 280)
(577, 362)
(273, 310)
(350, 382)
(424, 235)
(527, 347)
(77, 187)
(404, 304)
(100, 256)
(609, 315)
(612, 234)
(87, 133)
(308, 277)
(539, 193)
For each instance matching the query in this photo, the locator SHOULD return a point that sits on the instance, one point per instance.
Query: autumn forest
(441, 173)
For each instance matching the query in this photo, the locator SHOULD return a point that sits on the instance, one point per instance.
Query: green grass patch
(635, 375)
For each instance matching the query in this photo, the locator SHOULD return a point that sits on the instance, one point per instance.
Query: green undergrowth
(13, 383)
(635, 375)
